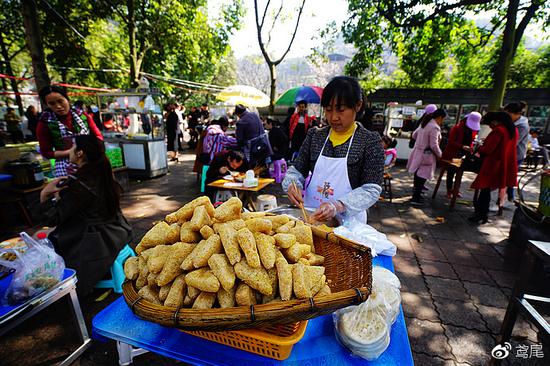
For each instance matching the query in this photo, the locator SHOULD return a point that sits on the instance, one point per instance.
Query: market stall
(134, 122)
(261, 286)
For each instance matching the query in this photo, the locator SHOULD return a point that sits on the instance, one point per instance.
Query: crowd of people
(496, 158)
(336, 166)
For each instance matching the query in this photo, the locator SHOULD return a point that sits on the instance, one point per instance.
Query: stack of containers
(365, 329)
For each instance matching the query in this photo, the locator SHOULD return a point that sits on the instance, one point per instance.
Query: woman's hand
(51, 189)
(295, 195)
(224, 170)
(327, 210)
(466, 148)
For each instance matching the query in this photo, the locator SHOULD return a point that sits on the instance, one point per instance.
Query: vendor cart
(134, 122)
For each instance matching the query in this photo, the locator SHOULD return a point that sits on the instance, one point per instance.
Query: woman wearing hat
(346, 159)
(499, 167)
(461, 141)
(430, 108)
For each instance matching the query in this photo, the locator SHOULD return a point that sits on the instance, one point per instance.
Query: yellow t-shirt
(338, 138)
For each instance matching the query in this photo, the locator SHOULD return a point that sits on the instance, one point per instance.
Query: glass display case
(134, 122)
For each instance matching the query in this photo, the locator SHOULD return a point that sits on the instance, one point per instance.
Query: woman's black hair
(390, 141)
(98, 166)
(500, 117)
(345, 90)
(47, 90)
(439, 112)
(516, 107)
(223, 122)
(236, 155)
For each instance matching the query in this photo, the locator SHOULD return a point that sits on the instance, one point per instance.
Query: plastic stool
(117, 271)
(203, 177)
(266, 202)
(279, 170)
(223, 195)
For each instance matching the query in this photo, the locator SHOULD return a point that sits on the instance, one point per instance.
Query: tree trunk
(504, 58)
(273, 87)
(134, 66)
(34, 43)
(9, 71)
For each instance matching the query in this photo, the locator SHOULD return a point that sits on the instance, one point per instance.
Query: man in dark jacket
(277, 138)
(249, 127)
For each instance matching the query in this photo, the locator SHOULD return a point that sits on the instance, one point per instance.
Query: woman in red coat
(461, 140)
(499, 167)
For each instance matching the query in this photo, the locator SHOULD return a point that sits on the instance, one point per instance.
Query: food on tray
(226, 299)
(229, 210)
(244, 296)
(260, 225)
(149, 294)
(206, 231)
(200, 218)
(315, 259)
(297, 251)
(157, 235)
(230, 243)
(266, 249)
(175, 295)
(202, 257)
(203, 279)
(300, 283)
(205, 300)
(284, 272)
(172, 268)
(131, 269)
(174, 234)
(158, 257)
(204, 250)
(192, 294)
(252, 215)
(186, 212)
(303, 235)
(163, 292)
(278, 221)
(223, 270)
(257, 278)
(285, 240)
(248, 245)
(152, 279)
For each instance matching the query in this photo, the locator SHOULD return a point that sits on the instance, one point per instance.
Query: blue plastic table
(318, 346)
(11, 316)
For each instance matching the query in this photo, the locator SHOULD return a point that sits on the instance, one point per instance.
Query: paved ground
(456, 278)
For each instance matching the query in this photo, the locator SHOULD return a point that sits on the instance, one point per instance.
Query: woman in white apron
(345, 160)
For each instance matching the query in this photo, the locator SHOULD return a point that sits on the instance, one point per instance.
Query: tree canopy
(426, 33)
(109, 43)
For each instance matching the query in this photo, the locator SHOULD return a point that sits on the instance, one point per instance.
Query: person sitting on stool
(224, 163)
(90, 228)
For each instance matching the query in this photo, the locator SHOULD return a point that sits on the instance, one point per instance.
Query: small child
(390, 152)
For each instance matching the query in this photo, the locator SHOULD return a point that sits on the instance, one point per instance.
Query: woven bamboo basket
(348, 268)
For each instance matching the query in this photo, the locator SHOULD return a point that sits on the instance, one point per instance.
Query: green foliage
(174, 38)
(436, 46)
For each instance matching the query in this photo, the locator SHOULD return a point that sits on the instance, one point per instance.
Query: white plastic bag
(366, 235)
(365, 329)
(36, 270)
